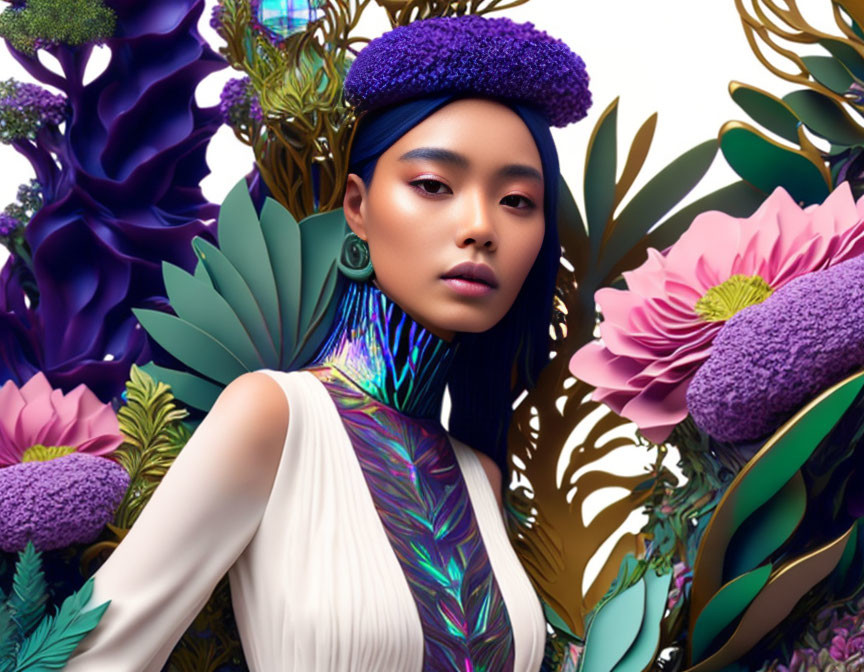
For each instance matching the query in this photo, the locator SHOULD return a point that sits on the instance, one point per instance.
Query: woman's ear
(354, 205)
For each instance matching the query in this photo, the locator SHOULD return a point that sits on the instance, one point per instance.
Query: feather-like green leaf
(655, 199)
(10, 636)
(767, 165)
(614, 629)
(192, 390)
(829, 72)
(768, 528)
(191, 345)
(282, 236)
(600, 167)
(767, 110)
(231, 285)
(640, 655)
(203, 306)
(55, 638)
(729, 603)
(29, 591)
(242, 242)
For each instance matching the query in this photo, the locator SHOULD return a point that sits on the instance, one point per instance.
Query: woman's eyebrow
(460, 161)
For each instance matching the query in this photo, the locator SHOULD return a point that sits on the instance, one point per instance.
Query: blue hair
(489, 366)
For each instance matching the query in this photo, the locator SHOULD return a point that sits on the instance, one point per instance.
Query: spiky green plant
(39, 23)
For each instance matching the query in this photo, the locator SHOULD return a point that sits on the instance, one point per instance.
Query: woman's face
(454, 216)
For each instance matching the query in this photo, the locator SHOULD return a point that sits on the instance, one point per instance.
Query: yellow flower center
(728, 298)
(40, 453)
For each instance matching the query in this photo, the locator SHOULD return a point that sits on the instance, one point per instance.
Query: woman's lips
(467, 287)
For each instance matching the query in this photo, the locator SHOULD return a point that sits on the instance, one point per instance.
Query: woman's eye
(429, 186)
(514, 200)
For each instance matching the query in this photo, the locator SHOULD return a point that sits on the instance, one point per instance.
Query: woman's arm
(198, 521)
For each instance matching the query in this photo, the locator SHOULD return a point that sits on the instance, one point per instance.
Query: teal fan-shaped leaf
(264, 298)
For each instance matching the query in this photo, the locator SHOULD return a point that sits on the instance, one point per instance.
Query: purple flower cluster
(837, 644)
(772, 358)
(8, 224)
(495, 58)
(64, 501)
(238, 103)
(25, 108)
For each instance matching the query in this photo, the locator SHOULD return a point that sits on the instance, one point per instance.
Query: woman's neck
(387, 354)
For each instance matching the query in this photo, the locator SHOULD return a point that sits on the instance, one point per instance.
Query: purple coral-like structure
(772, 358)
(121, 194)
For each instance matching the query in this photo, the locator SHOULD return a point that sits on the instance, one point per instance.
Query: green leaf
(228, 281)
(729, 603)
(29, 591)
(844, 53)
(600, 166)
(555, 620)
(191, 345)
(571, 226)
(614, 629)
(767, 110)
(655, 199)
(242, 242)
(201, 305)
(767, 165)
(10, 636)
(282, 235)
(192, 390)
(768, 528)
(825, 117)
(55, 638)
(643, 651)
(829, 72)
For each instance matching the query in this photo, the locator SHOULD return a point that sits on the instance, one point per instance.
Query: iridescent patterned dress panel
(423, 502)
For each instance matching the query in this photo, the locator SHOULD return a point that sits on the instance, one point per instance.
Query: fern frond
(55, 638)
(29, 596)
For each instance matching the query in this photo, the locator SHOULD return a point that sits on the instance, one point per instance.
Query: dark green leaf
(767, 110)
(767, 165)
(846, 55)
(825, 117)
(600, 167)
(725, 607)
(829, 72)
(766, 529)
(29, 590)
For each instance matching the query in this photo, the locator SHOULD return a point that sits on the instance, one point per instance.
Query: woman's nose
(478, 227)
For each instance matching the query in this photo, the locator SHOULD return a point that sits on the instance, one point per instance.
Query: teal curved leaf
(228, 281)
(191, 345)
(188, 388)
(242, 242)
(829, 72)
(825, 117)
(643, 651)
(614, 629)
(201, 305)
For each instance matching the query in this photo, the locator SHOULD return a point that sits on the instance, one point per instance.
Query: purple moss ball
(60, 502)
(495, 58)
(772, 358)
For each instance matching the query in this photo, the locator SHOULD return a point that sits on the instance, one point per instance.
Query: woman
(357, 533)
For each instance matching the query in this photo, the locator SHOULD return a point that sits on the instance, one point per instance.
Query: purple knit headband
(494, 58)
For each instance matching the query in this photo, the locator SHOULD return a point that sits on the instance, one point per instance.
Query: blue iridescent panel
(286, 17)
(423, 502)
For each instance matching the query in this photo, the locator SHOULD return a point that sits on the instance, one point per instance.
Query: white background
(675, 57)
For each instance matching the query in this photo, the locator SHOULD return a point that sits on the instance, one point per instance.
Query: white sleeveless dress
(315, 583)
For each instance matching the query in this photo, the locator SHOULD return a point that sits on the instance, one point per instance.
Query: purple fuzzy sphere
(495, 58)
(64, 501)
(771, 359)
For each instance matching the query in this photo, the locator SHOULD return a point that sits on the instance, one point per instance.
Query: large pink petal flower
(652, 338)
(38, 414)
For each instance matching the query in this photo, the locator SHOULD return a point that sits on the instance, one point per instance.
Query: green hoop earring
(354, 260)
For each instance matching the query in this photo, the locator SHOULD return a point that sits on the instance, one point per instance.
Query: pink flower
(37, 414)
(656, 334)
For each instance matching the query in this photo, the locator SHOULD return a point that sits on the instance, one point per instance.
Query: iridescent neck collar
(387, 354)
